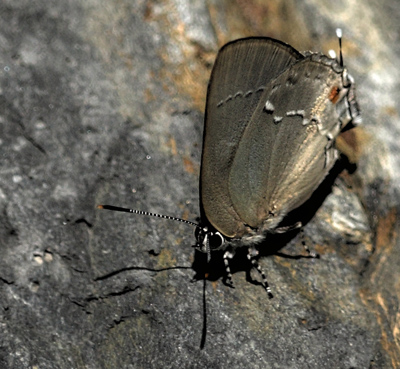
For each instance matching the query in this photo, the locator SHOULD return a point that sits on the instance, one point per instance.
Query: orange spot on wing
(334, 94)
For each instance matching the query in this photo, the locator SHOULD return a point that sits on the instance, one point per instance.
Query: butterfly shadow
(215, 269)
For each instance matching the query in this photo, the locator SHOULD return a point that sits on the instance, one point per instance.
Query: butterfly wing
(287, 148)
(241, 74)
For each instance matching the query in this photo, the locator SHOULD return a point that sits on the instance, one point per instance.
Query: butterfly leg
(310, 253)
(227, 256)
(288, 228)
(295, 226)
(253, 253)
(331, 154)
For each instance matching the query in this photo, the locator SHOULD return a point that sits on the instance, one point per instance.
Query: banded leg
(310, 253)
(253, 253)
(227, 256)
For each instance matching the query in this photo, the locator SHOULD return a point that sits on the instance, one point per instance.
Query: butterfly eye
(203, 237)
(216, 240)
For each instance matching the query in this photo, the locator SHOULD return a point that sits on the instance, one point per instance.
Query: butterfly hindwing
(287, 147)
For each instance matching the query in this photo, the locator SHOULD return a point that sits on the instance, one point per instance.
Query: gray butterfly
(272, 117)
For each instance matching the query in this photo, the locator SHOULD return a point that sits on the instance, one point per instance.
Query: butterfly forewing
(242, 72)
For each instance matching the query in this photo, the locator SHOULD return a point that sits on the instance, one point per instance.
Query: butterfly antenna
(339, 36)
(133, 211)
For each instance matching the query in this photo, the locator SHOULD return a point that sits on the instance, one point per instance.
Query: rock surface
(102, 102)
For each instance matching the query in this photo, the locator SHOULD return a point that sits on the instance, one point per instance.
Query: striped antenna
(133, 211)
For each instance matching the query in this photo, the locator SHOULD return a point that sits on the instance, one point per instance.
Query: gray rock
(102, 102)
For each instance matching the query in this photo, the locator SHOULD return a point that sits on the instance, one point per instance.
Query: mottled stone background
(102, 102)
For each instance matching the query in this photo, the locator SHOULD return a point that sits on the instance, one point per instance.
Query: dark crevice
(6, 281)
(120, 320)
(317, 328)
(35, 144)
(124, 291)
(83, 220)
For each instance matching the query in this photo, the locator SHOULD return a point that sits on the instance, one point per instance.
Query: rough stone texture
(102, 102)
